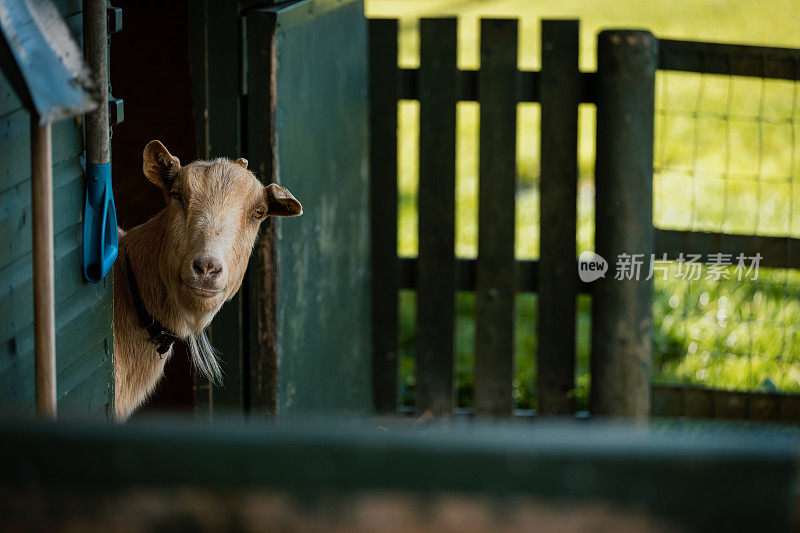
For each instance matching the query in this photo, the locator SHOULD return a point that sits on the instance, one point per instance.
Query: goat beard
(204, 357)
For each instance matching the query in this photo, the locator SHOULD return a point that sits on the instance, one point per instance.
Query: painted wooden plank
(16, 294)
(436, 271)
(84, 390)
(18, 197)
(80, 322)
(383, 200)
(70, 377)
(15, 147)
(323, 257)
(89, 397)
(495, 287)
(16, 228)
(558, 280)
(9, 101)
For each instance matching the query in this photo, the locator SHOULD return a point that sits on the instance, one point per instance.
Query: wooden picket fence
(623, 90)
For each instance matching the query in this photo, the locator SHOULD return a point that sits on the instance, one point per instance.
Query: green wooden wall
(307, 129)
(323, 257)
(84, 341)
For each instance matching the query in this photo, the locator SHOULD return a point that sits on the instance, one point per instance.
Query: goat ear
(242, 162)
(281, 203)
(159, 165)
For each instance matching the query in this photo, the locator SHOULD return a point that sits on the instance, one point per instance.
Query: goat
(175, 271)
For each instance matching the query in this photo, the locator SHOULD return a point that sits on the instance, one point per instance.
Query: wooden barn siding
(83, 311)
(320, 143)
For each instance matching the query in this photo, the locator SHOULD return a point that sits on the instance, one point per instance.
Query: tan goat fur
(212, 217)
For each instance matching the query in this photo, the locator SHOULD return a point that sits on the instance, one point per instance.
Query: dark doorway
(150, 72)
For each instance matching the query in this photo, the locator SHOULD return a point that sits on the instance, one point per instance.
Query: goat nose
(207, 268)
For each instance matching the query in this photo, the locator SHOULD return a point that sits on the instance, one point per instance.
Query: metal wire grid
(728, 334)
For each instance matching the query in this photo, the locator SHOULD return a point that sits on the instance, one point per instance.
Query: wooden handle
(95, 49)
(43, 269)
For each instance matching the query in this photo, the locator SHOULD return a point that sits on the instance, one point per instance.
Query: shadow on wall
(150, 72)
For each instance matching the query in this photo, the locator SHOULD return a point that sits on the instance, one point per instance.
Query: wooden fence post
(558, 283)
(622, 308)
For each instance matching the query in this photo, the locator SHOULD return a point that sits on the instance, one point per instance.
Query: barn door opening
(286, 87)
(154, 45)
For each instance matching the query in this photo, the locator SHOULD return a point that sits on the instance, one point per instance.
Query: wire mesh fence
(726, 163)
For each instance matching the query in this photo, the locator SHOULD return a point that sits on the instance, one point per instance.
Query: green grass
(726, 159)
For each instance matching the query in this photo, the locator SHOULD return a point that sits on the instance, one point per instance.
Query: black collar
(159, 335)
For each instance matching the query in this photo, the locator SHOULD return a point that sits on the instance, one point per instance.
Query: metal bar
(560, 96)
(776, 252)
(437, 175)
(43, 268)
(95, 25)
(729, 59)
(383, 201)
(622, 309)
(495, 291)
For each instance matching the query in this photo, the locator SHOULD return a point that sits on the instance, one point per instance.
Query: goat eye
(259, 212)
(176, 195)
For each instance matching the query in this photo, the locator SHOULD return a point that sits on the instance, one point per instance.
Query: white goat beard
(204, 357)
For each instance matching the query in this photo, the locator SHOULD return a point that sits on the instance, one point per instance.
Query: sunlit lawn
(726, 158)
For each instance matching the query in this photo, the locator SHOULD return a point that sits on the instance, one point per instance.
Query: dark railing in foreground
(691, 477)
(623, 90)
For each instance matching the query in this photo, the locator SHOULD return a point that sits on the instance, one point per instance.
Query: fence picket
(495, 291)
(560, 90)
(383, 200)
(436, 267)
